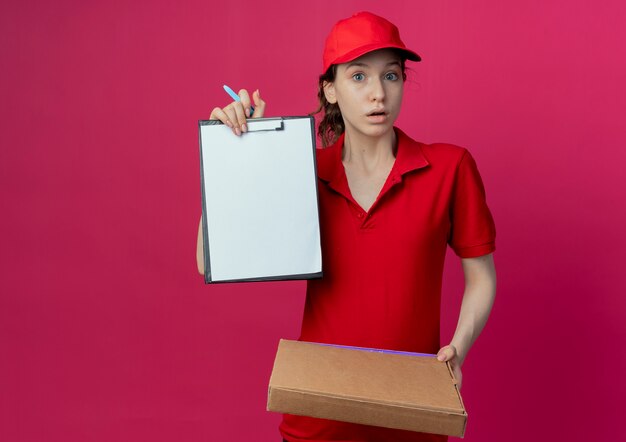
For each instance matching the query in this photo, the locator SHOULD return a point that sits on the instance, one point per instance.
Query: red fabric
(359, 34)
(383, 268)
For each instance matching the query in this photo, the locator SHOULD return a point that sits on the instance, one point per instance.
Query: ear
(329, 92)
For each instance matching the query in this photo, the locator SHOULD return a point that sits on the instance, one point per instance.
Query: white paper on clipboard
(259, 201)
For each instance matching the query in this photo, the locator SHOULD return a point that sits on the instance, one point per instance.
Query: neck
(368, 152)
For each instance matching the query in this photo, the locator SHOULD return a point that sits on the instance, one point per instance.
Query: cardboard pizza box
(402, 390)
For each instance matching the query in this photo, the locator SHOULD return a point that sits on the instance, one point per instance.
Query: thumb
(446, 353)
(259, 104)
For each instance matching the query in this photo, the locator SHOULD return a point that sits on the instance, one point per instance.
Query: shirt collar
(409, 157)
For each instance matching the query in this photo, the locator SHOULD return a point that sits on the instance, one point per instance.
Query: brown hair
(332, 126)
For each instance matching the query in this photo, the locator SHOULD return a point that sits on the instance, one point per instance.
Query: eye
(391, 76)
(359, 76)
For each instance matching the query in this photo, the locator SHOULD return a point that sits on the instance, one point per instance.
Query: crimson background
(108, 333)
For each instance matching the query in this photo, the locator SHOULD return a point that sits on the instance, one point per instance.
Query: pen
(235, 97)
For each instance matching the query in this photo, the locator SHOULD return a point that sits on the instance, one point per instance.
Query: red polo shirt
(383, 268)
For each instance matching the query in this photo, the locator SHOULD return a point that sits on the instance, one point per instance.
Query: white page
(261, 201)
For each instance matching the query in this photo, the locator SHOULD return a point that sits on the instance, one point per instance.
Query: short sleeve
(473, 232)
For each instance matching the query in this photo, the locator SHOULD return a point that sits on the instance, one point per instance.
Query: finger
(446, 353)
(232, 117)
(219, 114)
(236, 114)
(245, 101)
(259, 105)
(240, 124)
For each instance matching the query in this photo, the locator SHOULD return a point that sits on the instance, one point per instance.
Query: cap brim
(356, 53)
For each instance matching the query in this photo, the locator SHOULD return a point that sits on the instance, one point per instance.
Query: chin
(372, 130)
(379, 130)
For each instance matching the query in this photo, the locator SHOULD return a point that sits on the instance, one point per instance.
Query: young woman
(389, 206)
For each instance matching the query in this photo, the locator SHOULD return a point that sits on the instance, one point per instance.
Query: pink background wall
(107, 333)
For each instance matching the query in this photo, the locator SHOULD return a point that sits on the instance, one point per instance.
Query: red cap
(362, 33)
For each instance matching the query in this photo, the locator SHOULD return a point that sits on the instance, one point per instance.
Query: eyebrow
(365, 65)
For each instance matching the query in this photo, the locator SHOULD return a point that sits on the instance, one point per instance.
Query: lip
(378, 117)
(380, 110)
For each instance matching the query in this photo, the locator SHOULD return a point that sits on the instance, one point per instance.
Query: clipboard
(260, 211)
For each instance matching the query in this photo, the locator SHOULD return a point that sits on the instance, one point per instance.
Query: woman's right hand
(234, 115)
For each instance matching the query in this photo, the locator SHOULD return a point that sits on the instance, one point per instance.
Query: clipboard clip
(262, 125)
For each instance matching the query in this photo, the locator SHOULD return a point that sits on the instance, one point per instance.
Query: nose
(377, 90)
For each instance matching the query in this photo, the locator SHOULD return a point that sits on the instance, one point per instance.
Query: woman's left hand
(450, 354)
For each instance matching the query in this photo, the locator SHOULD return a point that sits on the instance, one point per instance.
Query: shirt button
(360, 215)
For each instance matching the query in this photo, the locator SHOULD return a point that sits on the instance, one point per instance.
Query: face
(368, 91)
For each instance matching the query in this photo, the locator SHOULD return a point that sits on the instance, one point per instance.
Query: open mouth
(375, 114)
